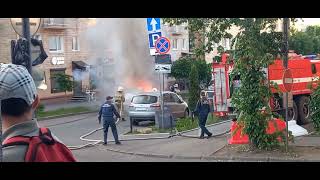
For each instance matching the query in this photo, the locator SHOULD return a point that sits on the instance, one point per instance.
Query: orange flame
(141, 85)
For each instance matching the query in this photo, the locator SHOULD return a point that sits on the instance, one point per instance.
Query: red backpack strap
(46, 136)
(17, 140)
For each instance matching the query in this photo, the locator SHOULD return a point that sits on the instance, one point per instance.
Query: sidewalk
(177, 147)
(216, 148)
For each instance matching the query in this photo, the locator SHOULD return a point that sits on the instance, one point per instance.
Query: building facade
(67, 53)
(179, 39)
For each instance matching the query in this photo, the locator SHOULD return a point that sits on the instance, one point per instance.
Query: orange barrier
(239, 138)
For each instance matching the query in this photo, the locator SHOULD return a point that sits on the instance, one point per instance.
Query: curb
(214, 158)
(66, 115)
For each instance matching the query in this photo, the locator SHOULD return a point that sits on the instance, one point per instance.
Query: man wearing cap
(19, 99)
(107, 112)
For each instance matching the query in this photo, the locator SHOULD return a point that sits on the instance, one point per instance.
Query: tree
(315, 108)
(194, 87)
(257, 46)
(182, 67)
(65, 82)
(307, 42)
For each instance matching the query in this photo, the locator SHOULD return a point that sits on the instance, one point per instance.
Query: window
(75, 44)
(56, 44)
(176, 98)
(144, 99)
(55, 88)
(184, 44)
(313, 68)
(175, 44)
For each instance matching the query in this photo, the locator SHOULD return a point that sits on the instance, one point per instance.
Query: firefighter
(202, 110)
(107, 111)
(119, 100)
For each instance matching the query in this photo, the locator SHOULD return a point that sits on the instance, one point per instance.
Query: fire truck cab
(305, 73)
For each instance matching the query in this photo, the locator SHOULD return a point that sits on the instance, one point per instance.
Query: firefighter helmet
(120, 89)
(203, 93)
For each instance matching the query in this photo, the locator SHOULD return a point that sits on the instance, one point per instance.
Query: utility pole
(286, 24)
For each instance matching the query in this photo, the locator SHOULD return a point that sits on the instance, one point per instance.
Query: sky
(300, 25)
(311, 21)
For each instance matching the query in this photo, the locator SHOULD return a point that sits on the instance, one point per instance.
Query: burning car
(144, 106)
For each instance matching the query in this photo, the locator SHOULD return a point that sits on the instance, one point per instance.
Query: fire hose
(93, 142)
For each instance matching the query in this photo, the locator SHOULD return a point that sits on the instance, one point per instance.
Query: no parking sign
(162, 45)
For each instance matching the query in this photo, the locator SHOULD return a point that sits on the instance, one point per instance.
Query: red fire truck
(305, 73)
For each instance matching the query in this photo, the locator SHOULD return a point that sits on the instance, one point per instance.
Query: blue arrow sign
(153, 38)
(153, 24)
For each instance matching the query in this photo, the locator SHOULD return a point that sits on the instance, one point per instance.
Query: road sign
(287, 80)
(162, 45)
(153, 24)
(153, 37)
(163, 68)
(163, 59)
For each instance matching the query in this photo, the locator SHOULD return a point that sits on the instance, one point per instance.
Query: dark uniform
(202, 110)
(107, 111)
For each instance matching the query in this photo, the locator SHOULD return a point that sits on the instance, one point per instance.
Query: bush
(185, 124)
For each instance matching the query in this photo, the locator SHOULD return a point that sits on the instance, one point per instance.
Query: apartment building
(179, 39)
(67, 53)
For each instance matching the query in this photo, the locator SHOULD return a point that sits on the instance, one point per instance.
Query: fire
(142, 85)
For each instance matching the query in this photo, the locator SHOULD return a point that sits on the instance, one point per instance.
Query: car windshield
(144, 99)
(210, 94)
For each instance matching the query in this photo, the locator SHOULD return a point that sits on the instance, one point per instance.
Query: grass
(62, 111)
(184, 124)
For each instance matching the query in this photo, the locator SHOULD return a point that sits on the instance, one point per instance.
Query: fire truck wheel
(292, 113)
(303, 110)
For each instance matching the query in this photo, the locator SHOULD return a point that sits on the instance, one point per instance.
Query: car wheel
(136, 123)
(186, 113)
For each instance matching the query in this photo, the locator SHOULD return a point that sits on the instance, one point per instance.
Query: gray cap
(16, 82)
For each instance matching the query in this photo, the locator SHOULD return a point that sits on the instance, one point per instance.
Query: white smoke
(125, 41)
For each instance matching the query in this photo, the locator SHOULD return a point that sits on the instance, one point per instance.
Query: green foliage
(182, 67)
(40, 109)
(63, 111)
(257, 46)
(307, 42)
(194, 87)
(185, 124)
(315, 108)
(65, 82)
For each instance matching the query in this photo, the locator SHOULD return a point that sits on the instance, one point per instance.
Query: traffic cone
(237, 137)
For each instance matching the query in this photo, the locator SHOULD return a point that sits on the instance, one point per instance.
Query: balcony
(54, 23)
(177, 30)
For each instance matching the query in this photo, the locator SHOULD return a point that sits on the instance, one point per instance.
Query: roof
(157, 93)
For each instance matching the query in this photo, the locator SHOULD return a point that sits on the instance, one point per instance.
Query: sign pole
(162, 98)
(285, 64)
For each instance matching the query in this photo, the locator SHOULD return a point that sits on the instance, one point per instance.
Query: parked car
(144, 106)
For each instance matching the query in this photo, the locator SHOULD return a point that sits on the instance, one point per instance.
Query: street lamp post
(26, 35)
(286, 24)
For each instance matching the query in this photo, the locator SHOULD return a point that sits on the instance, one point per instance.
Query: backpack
(42, 148)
